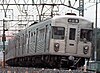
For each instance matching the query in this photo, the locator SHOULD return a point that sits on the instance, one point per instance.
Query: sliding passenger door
(71, 44)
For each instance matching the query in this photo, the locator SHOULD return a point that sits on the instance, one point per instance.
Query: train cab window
(58, 32)
(86, 34)
(72, 33)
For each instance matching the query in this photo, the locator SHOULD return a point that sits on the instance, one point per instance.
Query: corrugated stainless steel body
(38, 39)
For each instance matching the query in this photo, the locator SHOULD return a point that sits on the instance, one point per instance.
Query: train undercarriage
(47, 61)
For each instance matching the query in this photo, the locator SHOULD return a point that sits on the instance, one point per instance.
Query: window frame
(62, 37)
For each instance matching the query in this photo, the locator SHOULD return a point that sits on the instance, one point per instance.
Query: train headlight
(56, 47)
(85, 49)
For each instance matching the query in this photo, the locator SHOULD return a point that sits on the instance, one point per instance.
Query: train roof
(64, 16)
(58, 17)
(70, 16)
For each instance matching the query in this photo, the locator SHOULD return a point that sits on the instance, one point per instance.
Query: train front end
(71, 40)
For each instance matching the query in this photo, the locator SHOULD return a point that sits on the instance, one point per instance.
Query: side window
(33, 36)
(18, 43)
(22, 43)
(41, 34)
(28, 41)
(29, 34)
(26, 36)
(72, 33)
(86, 34)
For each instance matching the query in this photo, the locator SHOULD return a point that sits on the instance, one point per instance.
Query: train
(58, 42)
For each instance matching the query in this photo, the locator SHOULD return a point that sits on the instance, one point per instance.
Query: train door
(71, 46)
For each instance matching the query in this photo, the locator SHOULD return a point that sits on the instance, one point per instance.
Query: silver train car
(59, 42)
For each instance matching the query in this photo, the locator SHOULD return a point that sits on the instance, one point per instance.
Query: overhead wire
(62, 2)
(18, 7)
(7, 2)
(90, 5)
(26, 7)
(26, 1)
(23, 10)
(75, 2)
(5, 9)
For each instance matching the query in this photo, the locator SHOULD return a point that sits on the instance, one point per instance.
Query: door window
(72, 33)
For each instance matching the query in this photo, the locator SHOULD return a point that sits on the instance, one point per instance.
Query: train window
(58, 32)
(72, 34)
(86, 34)
(31, 34)
(41, 34)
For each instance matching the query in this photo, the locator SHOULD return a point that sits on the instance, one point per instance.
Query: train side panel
(38, 38)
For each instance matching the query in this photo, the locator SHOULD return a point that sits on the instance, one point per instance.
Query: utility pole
(81, 7)
(4, 37)
(3, 40)
(95, 53)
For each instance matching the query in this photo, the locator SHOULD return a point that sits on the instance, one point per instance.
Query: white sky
(90, 12)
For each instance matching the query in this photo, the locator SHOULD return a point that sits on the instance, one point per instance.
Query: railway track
(34, 70)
